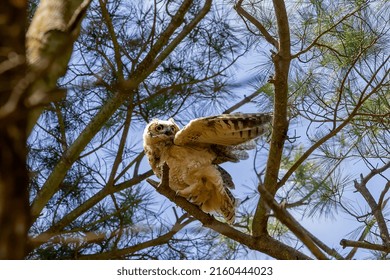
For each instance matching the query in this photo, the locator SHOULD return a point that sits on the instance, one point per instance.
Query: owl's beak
(168, 131)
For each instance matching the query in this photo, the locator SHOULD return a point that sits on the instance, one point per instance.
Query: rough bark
(14, 208)
(49, 44)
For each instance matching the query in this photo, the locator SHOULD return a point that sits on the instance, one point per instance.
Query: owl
(195, 152)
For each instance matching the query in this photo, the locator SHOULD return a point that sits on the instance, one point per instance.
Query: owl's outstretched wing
(225, 130)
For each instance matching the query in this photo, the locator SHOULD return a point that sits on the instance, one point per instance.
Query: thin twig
(242, 12)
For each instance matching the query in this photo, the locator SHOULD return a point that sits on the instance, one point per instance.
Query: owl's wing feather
(226, 177)
(208, 142)
(226, 129)
(228, 153)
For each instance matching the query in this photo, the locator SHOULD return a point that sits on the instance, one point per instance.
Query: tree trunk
(27, 83)
(14, 206)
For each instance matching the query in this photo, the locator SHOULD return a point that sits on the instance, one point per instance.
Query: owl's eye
(159, 127)
(173, 128)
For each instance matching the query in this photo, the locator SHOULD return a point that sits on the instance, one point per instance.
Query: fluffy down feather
(194, 153)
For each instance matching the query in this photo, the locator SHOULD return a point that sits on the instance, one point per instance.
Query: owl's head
(158, 130)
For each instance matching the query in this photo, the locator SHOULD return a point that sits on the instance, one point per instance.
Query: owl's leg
(196, 190)
(192, 193)
(218, 199)
(205, 188)
(202, 185)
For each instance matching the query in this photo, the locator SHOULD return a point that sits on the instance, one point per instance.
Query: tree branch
(243, 13)
(365, 232)
(337, 129)
(88, 204)
(152, 60)
(49, 44)
(244, 101)
(375, 208)
(365, 245)
(50, 187)
(281, 61)
(285, 217)
(162, 239)
(121, 146)
(263, 243)
(112, 33)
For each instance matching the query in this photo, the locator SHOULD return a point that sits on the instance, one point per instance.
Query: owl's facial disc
(163, 131)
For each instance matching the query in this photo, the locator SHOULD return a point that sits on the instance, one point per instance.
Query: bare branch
(365, 232)
(365, 245)
(263, 243)
(162, 239)
(375, 208)
(244, 101)
(111, 30)
(243, 13)
(121, 147)
(281, 61)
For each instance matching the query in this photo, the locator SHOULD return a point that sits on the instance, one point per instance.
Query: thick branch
(281, 61)
(49, 44)
(14, 203)
(265, 243)
(283, 29)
